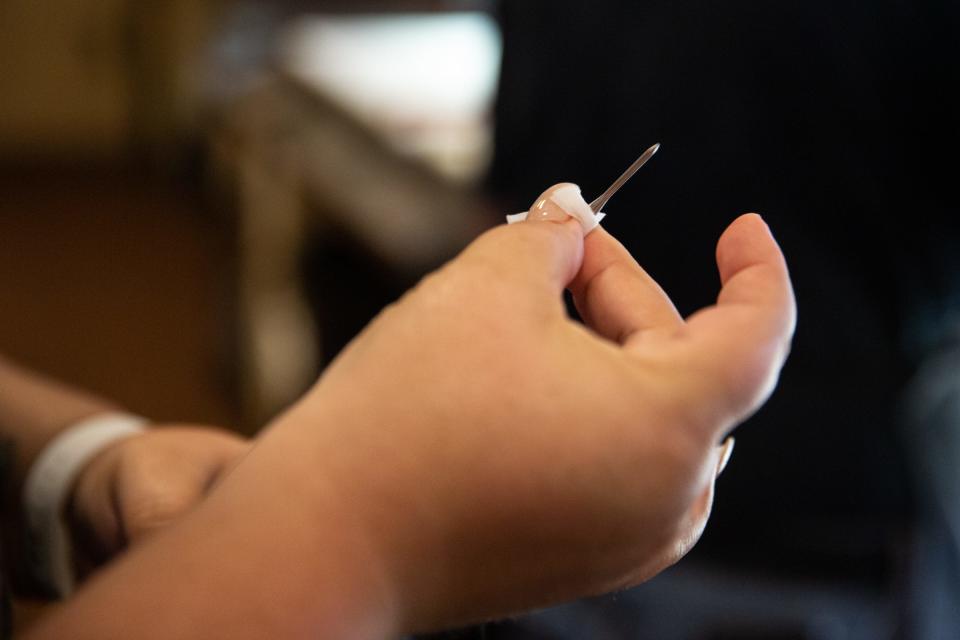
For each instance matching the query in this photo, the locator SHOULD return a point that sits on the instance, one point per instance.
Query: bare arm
(473, 453)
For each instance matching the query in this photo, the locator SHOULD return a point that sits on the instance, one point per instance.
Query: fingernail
(725, 454)
(561, 202)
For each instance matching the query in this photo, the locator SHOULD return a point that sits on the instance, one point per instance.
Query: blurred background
(202, 202)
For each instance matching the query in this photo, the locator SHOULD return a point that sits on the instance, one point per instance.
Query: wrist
(382, 506)
(348, 556)
(48, 487)
(91, 513)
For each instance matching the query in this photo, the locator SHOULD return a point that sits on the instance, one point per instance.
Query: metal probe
(600, 202)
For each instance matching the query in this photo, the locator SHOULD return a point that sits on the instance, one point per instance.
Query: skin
(142, 484)
(473, 452)
(130, 489)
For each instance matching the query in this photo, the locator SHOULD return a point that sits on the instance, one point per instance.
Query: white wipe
(568, 198)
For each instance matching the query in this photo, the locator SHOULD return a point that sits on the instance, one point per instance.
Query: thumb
(543, 253)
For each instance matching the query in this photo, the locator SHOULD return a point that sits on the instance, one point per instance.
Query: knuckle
(151, 513)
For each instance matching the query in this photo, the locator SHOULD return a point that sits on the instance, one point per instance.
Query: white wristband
(48, 486)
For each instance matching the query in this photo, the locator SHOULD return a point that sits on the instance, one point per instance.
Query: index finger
(615, 296)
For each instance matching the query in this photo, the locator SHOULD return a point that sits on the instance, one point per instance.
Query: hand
(473, 453)
(144, 483)
(497, 455)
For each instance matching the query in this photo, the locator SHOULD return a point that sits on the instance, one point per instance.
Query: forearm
(33, 410)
